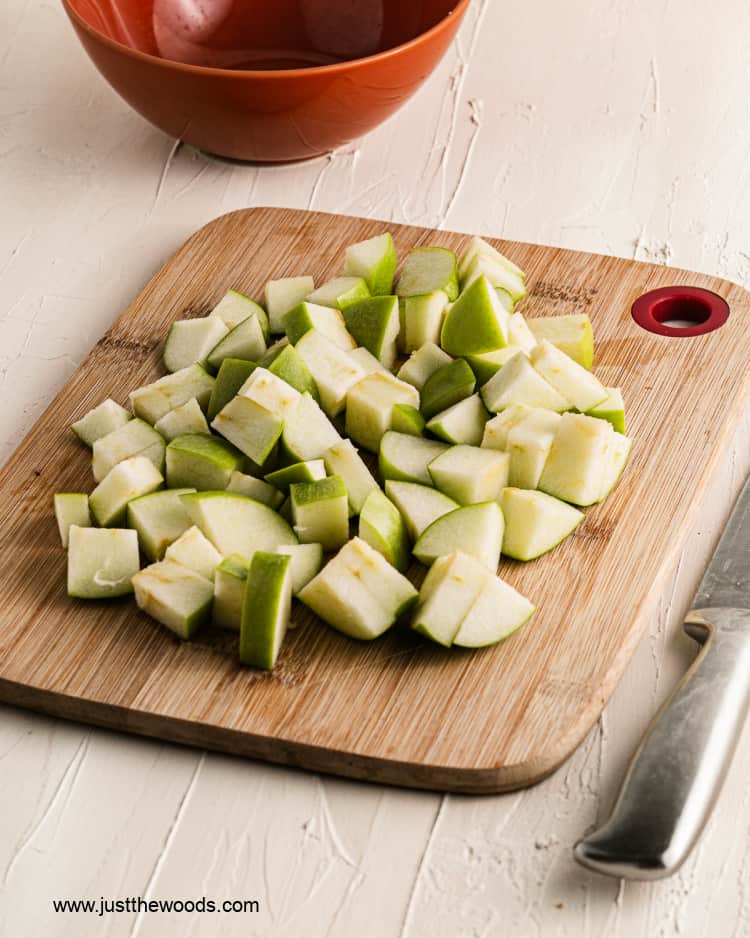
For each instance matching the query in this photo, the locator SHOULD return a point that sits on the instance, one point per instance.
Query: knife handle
(676, 774)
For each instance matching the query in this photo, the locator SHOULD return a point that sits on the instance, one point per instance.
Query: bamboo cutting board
(398, 710)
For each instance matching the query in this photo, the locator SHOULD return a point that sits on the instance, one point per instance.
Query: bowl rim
(456, 13)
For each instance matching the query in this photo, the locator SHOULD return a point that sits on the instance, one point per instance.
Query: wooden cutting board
(399, 710)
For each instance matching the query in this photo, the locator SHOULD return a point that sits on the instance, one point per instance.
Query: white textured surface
(618, 127)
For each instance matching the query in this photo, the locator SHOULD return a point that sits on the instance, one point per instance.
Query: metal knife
(676, 774)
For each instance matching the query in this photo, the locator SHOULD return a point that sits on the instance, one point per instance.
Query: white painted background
(621, 127)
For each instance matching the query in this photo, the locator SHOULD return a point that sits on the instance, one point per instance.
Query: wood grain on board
(398, 710)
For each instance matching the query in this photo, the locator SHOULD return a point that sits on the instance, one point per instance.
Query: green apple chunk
(327, 320)
(369, 407)
(244, 342)
(193, 550)
(418, 505)
(153, 401)
(406, 457)
(234, 307)
(422, 318)
(375, 260)
(427, 269)
(135, 438)
(448, 593)
(201, 462)
(572, 334)
(187, 418)
(343, 460)
(497, 275)
(175, 596)
(253, 429)
(367, 361)
(518, 382)
(191, 340)
(496, 430)
(334, 370)
(497, 612)
(305, 563)
(266, 610)
(232, 374)
(102, 420)
(127, 480)
(405, 418)
(391, 588)
(261, 491)
(529, 443)
(308, 433)
(487, 365)
(309, 471)
(519, 333)
(374, 323)
(340, 292)
(618, 458)
(462, 423)
(159, 518)
(273, 352)
(382, 527)
(320, 511)
(236, 524)
(283, 295)
(291, 368)
(535, 522)
(270, 392)
(71, 508)
(422, 364)
(570, 379)
(229, 592)
(578, 459)
(469, 474)
(476, 530)
(612, 409)
(481, 248)
(101, 562)
(477, 322)
(446, 387)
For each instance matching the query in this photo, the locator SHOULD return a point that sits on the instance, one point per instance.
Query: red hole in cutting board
(680, 311)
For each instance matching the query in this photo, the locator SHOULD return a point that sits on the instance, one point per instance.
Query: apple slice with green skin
(308, 433)
(309, 471)
(291, 368)
(327, 320)
(469, 474)
(612, 408)
(367, 361)
(422, 364)
(418, 505)
(529, 443)
(340, 292)
(236, 524)
(253, 429)
(369, 407)
(334, 370)
(135, 438)
(487, 365)
(405, 418)
(343, 460)
(159, 518)
(381, 579)
(427, 269)
(618, 459)
(191, 340)
(283, 295)
(261, 491)
(578, 459)
(305, 563)
(101, 562)
(480, 247)
(462, 423)
(519, 333)
(270, 392)
(572, 334)
(496, 430)
(497, 274)
(422, 319)
(566, 376)
(476, 322)
(245, 342)
(375, 260)
(320, 511)
(201, 462)
(446, 387)
(187, 418)
(193, 550)
(476, 530)
(153, 401)
(266, 610)
(232, 374)
(405, 457)
(374, 323)
(382, 527)
(229, 592)
(448, 593)
(518, 382)
(535, 522)
(273, 352)
(175, 596)
(234, 307)
(71, 508)
(127, 480)
(102, 420)
(497, 612)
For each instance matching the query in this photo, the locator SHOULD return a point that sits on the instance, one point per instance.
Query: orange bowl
(266, 80)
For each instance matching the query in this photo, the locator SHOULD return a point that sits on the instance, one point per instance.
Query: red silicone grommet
(700, 310)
